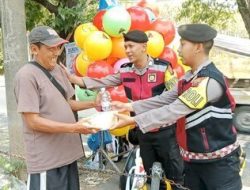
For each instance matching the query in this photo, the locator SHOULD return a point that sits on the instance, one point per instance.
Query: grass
(12, 166)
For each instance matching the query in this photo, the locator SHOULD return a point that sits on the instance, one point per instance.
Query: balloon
(111, 60)
(82, 32)
(97, 20)
(179, 71)
(105, 4)
(155, 43)
(118, 94)
(118, 49)
(139, 18)
(169, 55)
(75, 70)
(85, 94)
(99, 69)
(121, 131)
(119, 63)
(150, 14)
(151, 5)
(82, 63)
(185, 67)
(166, 28)
(98, 46)
(116, 21)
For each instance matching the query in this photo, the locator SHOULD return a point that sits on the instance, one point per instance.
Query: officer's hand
(71, 77)
(123, 120)
(121, 107)
(84, 126)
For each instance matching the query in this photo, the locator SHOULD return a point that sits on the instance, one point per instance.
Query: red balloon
(139, 18)
(112, 60)
(166, 28)
(99, 69)
(169, 55)
(97, 20)
(179, 71)
(118, 94)
(152, 6)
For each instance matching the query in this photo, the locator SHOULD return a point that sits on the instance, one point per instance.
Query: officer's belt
(211, 155)
(163, 128)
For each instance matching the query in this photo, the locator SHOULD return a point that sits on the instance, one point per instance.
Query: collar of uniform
(150, 62)
(189, 75)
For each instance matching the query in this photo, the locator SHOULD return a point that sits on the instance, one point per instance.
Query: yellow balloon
(98, 46)
(82, 63)
(155, 44)
(82, 32)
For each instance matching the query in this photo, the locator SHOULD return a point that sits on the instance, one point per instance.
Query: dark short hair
(208, 46)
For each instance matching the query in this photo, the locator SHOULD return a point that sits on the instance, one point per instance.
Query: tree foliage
(62, 15)
(212, 12)
(215, 13)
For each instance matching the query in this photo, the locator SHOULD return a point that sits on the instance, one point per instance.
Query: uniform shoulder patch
(126, 65)
(170, 78)
(158, 61)
(196, 96)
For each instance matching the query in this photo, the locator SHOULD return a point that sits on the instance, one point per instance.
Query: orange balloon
(155, 44)
(82, 32)
(82, 64)
(118, 49)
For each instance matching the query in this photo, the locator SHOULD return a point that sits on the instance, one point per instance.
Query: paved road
(244, 140)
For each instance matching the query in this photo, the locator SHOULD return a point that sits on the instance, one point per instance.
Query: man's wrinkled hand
(84, 126)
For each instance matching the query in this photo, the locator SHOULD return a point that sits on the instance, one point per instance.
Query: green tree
(63, 15)
(211, 12)
(220, 14)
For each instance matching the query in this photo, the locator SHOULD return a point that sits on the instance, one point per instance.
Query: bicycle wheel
(156, 176)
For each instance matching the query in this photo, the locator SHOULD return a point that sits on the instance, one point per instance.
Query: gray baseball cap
(46, 36)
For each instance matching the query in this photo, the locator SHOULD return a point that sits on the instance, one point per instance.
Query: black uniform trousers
(222, 174)
(161, 146)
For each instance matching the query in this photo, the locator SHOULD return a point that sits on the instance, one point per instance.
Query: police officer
(143, 78)
(202, 106)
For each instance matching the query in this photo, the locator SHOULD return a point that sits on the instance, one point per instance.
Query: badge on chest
(152, 77)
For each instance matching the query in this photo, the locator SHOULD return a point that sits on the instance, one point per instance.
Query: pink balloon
(119, 63)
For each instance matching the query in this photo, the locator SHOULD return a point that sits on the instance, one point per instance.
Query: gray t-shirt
(36, 94)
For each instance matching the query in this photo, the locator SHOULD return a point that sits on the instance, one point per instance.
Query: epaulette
(127, 65)
(158, 61)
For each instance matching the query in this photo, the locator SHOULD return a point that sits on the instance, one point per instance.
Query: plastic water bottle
(105, 100)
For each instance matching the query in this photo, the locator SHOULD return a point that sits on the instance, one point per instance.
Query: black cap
(137, 36)
(45, 35)
(197, 32)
